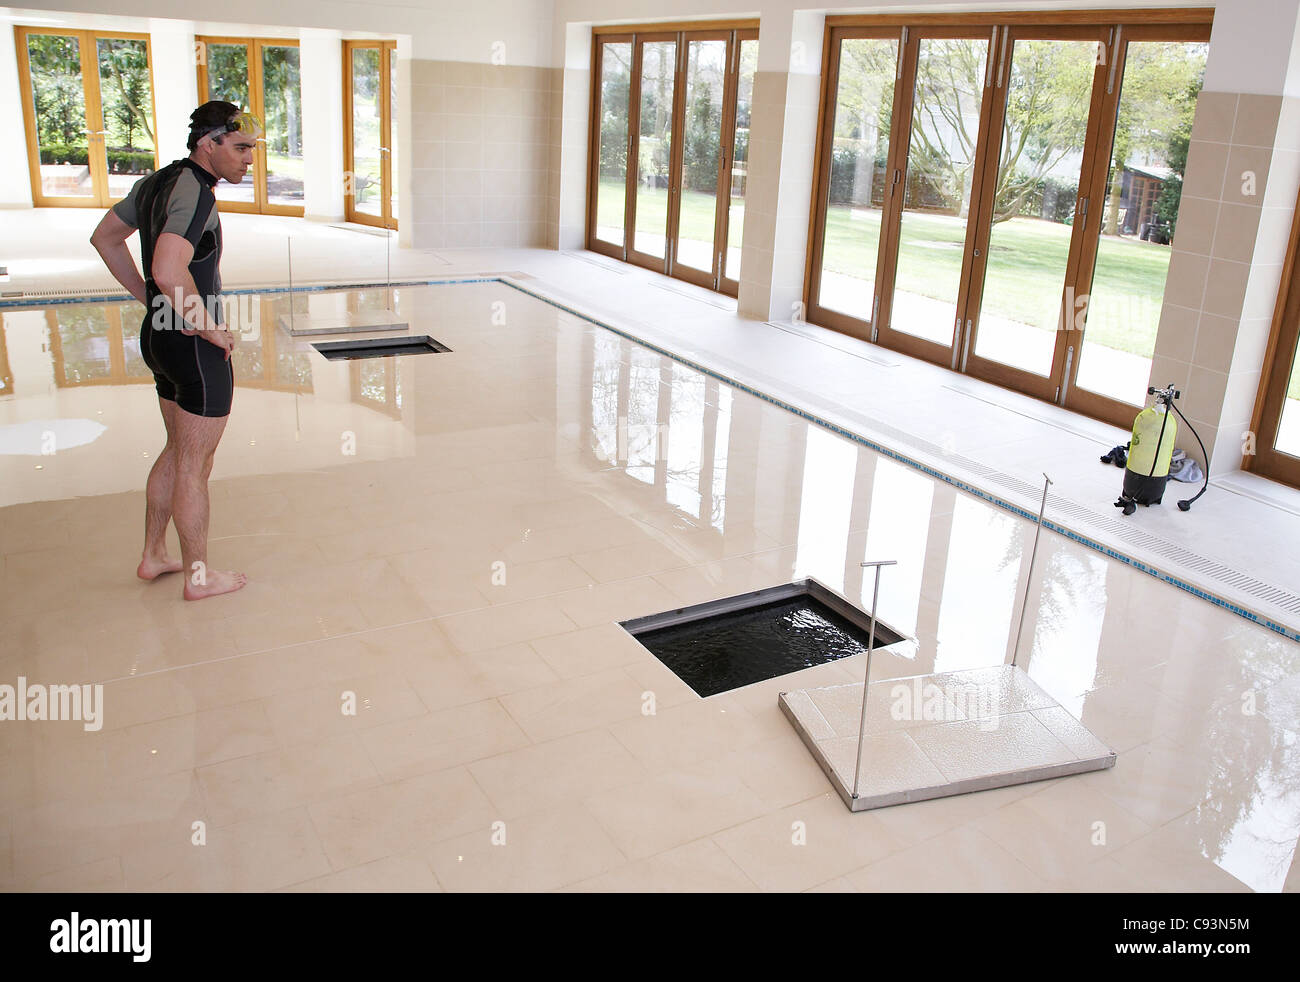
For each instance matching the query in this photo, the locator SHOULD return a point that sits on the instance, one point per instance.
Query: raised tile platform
(932, 736)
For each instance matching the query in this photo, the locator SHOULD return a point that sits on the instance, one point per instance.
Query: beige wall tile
(463, 129)
(1216, 339)
(1234, 236)
(1225, 288)
(1215, 114)
(462, 183)
(1165, 369)
(425, 209)
(425, 72)
(1205, 390)
(463, 156)
(429, 99)
(1206, 164)
(1257, 117)
(464, 209)
(1177, 331)
(1185, 284)
(462, 235)
(1197, 219)
(427, 154)
(1246, 176)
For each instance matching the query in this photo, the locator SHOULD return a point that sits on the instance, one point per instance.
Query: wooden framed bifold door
(997, 195)
(1277, 411)
(262, 76)
(369, 132)
(88, 114)
(1048, 85)
(943, 103)
(669, 151)
(1151, 84)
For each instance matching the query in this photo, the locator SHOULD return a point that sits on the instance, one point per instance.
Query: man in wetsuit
(182, 339)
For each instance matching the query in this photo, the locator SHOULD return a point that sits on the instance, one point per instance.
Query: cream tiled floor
(519, 703)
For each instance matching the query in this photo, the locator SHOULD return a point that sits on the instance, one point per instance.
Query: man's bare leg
(196, 445)
(158, 503)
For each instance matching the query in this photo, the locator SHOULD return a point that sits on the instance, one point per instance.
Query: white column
(15, 179)
(569, 179)
(782, 138)
(321, 66)
(175, 85)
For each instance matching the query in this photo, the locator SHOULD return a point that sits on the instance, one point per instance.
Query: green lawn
(1025, 273)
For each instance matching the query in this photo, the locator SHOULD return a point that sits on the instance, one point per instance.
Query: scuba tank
(1147, 470)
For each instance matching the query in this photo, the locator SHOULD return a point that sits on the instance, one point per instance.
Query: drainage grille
(417, 344)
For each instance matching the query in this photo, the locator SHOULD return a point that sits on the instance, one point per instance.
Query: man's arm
(109, 240)
(171, 274)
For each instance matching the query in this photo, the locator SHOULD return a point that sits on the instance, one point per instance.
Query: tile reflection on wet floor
(448, 538)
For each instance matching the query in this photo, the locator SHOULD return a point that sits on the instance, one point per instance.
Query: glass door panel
(1288, 430)
(126, 101)
(282, 114)
(228, 80)
(1157, 100)
(702, 144)
(612, 137)
(859, 167)
(747, 65)
(938, 186)
(62, 129)
(1044, 131)
(367, 132)
(654, 146)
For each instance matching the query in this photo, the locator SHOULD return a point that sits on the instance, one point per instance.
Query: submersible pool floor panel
(933, 736)
(416, 344)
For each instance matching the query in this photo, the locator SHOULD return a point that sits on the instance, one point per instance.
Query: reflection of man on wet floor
(182, 339)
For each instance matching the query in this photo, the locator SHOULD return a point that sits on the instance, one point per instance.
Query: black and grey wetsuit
(188, 370)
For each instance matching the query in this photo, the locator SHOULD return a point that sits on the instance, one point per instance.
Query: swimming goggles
(245, 122)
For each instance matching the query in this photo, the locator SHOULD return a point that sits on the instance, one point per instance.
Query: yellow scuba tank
(1152, 447)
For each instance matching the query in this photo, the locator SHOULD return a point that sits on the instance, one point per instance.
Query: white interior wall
(15, 178)
(320, 54)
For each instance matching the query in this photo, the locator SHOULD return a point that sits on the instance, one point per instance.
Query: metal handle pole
(866, 682)
(1029, 576)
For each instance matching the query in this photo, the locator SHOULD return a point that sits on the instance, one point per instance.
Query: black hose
(1187, 503)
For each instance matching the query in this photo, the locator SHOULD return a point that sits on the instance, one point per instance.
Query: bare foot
(151, 568)
(216, 581)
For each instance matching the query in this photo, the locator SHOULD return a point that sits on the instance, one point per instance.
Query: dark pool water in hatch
(727, 651)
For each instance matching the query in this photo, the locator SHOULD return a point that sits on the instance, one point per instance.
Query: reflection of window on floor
(898, 528)
(665, 424)
(979, 587)
(100, 345)
(88, 345)
(377, 384)
(825, 507)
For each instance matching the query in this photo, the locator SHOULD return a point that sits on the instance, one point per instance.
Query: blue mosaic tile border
(1290, 633)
